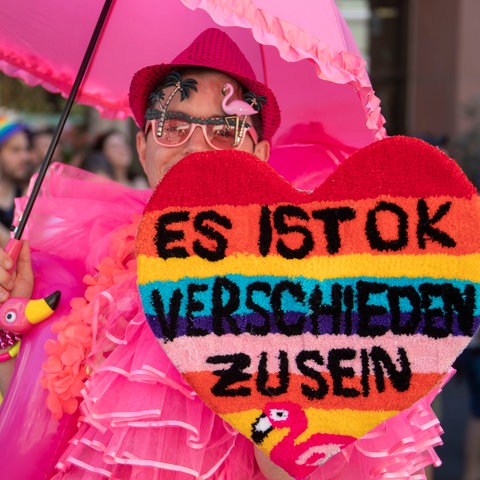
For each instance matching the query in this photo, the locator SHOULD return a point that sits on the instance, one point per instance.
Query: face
(117, 150)
(15, 159)
(40, 147)
(41, 143)
(205, 103)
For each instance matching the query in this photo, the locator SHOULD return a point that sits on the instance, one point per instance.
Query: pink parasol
(305, 54)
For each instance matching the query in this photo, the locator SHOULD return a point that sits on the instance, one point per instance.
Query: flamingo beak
(41, 309)
(261, 428)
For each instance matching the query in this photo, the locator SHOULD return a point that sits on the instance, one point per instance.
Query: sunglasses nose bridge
(198, 140)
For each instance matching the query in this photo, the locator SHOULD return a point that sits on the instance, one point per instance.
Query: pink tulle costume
(138, 419)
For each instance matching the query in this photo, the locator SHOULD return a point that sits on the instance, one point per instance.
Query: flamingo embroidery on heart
(315, 449)
(303, 319)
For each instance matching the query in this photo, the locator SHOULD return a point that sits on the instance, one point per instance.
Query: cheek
(247, 145)
(12, 159)
(158, 161)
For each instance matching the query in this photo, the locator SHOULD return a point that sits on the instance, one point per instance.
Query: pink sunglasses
(221, 133)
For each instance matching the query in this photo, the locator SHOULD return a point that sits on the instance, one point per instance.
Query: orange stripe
(460, 223)
(390, 399)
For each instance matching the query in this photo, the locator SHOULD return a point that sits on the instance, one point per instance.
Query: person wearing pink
(138, 418)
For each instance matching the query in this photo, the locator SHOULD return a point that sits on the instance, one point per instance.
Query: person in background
(97, 163)
(39, 143)
(75, 143)
(15, 170)
(112, 157)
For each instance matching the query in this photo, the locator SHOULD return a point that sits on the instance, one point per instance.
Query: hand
(16, 282)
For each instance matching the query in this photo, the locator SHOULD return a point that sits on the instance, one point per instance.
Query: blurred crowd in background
(23, 148)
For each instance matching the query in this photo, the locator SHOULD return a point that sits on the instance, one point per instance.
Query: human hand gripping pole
(18, 314)
(13, 249)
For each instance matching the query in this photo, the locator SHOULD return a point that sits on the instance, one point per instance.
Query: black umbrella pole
(18, 231)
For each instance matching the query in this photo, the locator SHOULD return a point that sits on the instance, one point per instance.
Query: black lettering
(464, 305)
(265, 238)
(194, 305)
(322, 387)
(332, 217)
(283, 228)
(400, 379)
(203, 224)
(335, 357)
(318, 308)
(164, 236)
(223, 309)
(367, 311)
(231, 376)
(348, 300)
(425, 226)
(264, 328)
(365, 372)
(439, 321)
(295, 290)
(410, 326)
(373, 233)
(263, 375)
(167, 326)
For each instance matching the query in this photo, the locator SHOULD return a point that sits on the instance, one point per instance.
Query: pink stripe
(426, 355)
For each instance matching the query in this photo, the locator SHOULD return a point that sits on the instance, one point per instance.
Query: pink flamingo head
(19, 315)
(279, 415)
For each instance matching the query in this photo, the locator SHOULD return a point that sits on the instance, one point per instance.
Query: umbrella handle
(13, 248)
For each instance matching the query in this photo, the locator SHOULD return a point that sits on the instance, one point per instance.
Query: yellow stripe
(354, 423)
(462, 267)
(346, 422)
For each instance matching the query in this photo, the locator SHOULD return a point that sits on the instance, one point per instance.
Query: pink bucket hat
(211, 49)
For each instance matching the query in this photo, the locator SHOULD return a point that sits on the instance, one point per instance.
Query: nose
(197, 142)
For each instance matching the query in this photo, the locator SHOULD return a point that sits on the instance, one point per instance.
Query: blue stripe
(291, 304)
(368, 307)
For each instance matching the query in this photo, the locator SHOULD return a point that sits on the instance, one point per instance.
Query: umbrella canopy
(305, 54)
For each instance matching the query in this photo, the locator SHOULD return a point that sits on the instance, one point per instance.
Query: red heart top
(229, 181)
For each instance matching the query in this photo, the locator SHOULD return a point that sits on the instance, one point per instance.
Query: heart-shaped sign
(307, 319)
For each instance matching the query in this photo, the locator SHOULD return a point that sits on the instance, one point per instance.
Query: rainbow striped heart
(307, 319)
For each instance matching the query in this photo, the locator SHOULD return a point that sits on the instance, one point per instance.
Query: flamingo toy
(237, 108)
(19, 315)
(307, 455)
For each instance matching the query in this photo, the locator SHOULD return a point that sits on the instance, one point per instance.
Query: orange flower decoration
(65, 370)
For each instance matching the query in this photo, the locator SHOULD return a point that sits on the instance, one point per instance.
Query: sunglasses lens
(221, 136)
(174, 131)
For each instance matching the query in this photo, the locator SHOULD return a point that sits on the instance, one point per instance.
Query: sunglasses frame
(239, 136)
